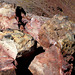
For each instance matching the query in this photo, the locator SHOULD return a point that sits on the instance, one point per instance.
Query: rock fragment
(56, 36)
(7, 16)
(16, 41)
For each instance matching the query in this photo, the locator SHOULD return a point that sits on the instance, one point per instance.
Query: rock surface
(47, 8)
(33, 26)
(13, 42)
(49, 62)
(7, 16)
(56, 36)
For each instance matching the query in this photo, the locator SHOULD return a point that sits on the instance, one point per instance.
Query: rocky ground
(56, 36)
(21, 41)
(47, 7)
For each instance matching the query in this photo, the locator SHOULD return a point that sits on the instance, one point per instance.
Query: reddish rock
(7, 16)
(34, 25)
(6, 63)
(13, 42)
(59, 47)
(49, 62)
(54, 36)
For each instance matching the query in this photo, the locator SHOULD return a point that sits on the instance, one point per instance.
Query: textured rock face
(56, 36)
(12, 44)
(15, 41)
(7, 16)
(49, 62)
(6, 21)
(58, 29)
(8, 72)
(5, 60)
(33, 27)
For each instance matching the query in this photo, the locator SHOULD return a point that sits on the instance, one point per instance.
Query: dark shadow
(53, 9)
(19, 11)
(73, 71)
(60, 9)
(25, 60)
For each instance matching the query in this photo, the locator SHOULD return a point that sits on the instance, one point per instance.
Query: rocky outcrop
(13, 42)
(16, 41)
(7, 16)
(57, 37)
(55, 41)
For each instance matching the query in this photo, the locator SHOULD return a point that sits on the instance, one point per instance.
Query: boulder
(57, 37)
(55, 43)
(7, 16)
(13, 43)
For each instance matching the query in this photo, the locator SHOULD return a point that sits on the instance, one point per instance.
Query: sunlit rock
(7, 16)
(57, 37)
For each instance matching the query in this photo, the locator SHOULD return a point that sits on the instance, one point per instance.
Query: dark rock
(60, 9)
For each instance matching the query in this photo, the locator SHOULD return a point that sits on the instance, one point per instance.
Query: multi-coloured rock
(13, 43)
(57, 37)
(34, 25)
(60, 32)
(7, 16)
(16, 41)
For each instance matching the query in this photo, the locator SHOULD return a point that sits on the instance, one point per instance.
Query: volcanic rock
(7, 16)
(16, 41)
(34, 25)
(13, 43)
(56, 36)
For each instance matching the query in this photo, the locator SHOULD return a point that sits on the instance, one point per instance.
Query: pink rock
(50, 37)
(33, 27)
(7, 16)
(49, 62)
(5, 60)
(6, 22)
